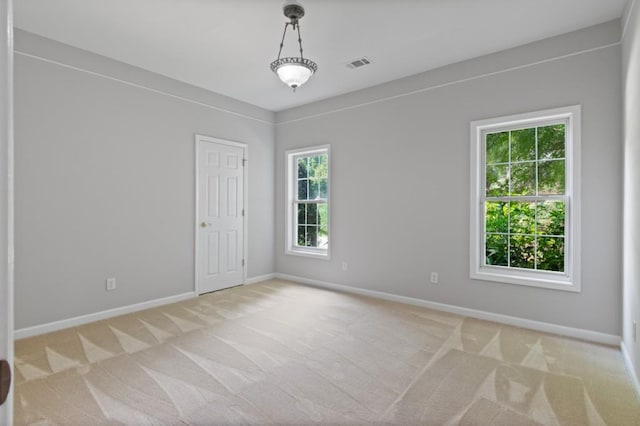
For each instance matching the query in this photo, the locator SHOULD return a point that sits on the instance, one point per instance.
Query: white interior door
(220, 214)
(6, 208)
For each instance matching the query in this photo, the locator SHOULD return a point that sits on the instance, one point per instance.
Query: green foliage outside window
(312, 218)
(524, 208)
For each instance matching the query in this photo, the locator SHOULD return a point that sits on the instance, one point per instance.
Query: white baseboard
(633, 374)
(578, 333)
(109, 313)
(85, 319)
(259, 279)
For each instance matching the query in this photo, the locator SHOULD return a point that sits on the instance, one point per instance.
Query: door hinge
(242, 262)
(242, 212)
(244, 162)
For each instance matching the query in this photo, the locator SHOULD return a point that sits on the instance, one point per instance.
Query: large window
(308, 202)
(525, 199)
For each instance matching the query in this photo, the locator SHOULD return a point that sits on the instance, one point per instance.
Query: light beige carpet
(281, 353)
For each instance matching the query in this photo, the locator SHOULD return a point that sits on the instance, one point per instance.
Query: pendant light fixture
(293, 71)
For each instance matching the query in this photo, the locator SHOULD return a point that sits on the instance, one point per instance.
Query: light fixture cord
(282, 41)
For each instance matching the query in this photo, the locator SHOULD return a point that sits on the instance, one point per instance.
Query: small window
(308, 202)
(525, 199)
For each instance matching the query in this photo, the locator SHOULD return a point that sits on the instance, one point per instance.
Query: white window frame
(291, 157)
(569, 280)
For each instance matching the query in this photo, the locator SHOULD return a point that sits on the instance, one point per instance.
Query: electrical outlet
(111, 284)
(634, 330)
(434, 278)
(345, 266)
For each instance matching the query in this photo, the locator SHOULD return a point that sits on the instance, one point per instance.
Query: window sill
(511, 277)
(313, 254)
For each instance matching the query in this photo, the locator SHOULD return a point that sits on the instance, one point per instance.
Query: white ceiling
(226, 46)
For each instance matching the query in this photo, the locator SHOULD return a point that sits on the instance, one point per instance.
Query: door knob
(205, 224)
(5, 380)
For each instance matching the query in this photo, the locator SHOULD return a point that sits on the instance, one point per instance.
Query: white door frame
(245, 201)
(6, 197)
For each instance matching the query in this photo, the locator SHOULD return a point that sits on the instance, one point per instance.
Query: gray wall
(105, 181)
(631, 254)
(6, 201)
(105, 176)
(400, 177)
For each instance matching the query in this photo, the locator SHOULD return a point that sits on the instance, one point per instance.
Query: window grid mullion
(317, 201)
(525, 198)
(535, 211)
(525, 235)
(509, 199)
(509, 206)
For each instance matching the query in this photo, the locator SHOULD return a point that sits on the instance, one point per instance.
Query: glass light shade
(294, 72)
(294, 75)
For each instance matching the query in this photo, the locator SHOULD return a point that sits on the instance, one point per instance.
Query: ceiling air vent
(360, 62)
